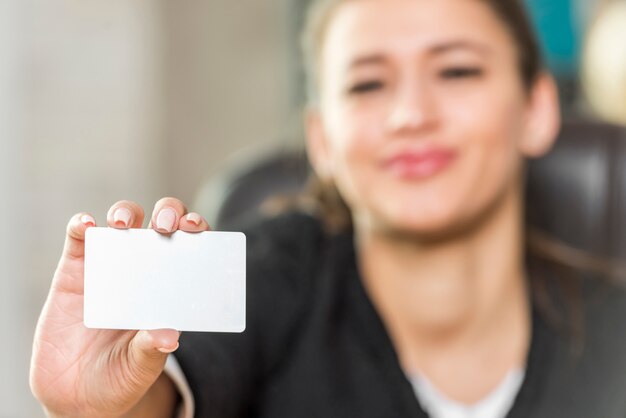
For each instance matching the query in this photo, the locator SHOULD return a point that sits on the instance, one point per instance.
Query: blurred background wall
(13, 353)
(108, 100)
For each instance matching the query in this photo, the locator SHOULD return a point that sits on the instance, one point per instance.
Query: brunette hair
(550, 262)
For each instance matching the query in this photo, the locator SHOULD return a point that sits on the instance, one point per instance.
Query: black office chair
(576, 194)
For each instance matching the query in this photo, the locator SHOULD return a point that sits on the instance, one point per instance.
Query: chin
(424, 227)
(447, 220)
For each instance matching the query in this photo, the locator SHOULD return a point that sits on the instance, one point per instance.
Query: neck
(453, 299)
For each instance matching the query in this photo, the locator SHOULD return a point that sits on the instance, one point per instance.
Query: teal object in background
(559, 32)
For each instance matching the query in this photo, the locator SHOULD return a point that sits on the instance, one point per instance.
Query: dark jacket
(315, 346)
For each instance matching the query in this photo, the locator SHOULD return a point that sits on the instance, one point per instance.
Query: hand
(80, 372)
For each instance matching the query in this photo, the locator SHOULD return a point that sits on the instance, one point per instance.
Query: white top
(495, 405)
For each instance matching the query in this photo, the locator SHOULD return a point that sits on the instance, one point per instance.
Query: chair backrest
(283, 173)
(577, 193)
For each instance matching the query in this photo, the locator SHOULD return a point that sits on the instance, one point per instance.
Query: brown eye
(366, 87)
(461, 72)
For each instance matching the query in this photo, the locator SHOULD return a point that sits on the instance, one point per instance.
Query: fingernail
(165, 220)
(194, 218)
(121, 216)
(168, 350)
(88, 220)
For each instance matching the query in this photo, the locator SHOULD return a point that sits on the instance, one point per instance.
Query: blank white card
(140, 279)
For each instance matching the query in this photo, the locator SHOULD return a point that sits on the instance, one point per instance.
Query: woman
(422, 114)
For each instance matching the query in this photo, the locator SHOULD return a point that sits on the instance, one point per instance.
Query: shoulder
(584, 374)
(283, 248)
(292, 232)
(283, 253)
(586, 309)
(604, 329)
(574, 295)
(223, 369)
(605, 305)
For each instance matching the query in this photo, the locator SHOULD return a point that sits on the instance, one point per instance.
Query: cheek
(488, 123)
(356, 137)
(488, 139)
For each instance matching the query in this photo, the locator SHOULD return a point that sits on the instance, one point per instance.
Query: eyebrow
(365, 60)
(436, 49)
(460, 44)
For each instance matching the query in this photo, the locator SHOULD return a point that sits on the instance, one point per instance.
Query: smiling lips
(419, 165)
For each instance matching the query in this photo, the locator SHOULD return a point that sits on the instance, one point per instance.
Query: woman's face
(423, 118)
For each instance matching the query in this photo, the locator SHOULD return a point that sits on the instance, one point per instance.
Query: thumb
(149, 349)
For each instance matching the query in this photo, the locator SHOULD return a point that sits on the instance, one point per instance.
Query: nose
(413, 108)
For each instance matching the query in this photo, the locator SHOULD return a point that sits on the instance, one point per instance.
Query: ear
(318, 147)
(544, 117)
